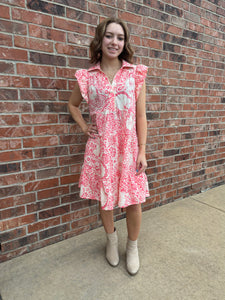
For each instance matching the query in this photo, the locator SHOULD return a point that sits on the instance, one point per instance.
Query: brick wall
(42, 43)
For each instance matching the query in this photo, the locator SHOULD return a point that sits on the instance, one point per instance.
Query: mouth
(112, 49)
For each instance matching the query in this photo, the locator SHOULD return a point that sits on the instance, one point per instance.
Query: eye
(108, 36)
(120, 38)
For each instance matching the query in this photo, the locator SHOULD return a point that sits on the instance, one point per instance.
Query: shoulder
(138, 69)
(141, 68)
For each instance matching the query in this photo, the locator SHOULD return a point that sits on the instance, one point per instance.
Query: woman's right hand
(91, 130)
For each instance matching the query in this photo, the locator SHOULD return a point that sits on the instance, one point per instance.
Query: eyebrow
(113, 33)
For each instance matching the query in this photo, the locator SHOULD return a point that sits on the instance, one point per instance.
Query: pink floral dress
(109, 170)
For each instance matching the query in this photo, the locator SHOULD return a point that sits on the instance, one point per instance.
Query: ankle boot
(132, 257)
(112, 253)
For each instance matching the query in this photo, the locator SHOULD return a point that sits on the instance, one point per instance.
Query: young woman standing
(114, 163)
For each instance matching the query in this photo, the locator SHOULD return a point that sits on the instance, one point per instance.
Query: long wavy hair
(96, 44)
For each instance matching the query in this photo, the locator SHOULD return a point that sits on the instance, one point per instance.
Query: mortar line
(223, 211)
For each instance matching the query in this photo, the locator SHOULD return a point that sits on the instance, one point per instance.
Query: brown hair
(96, 44)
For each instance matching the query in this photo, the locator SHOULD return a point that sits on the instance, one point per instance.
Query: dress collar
(125, 64)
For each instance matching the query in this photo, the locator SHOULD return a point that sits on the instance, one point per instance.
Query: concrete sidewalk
(182, 253)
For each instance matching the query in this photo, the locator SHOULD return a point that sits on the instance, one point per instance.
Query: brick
(13, 254)
(20, 3)
(41, 205)
(10, 144)
(50, 107)
(11, 190)
(53, 172)
(41, 185)
(9, 120)
(16, 178)
(33, 70)
(15, 131)
(130, 17)
(20, 242)
(39, 164)
(49, 83)
(58, 211)
(84, 221)
(38, 95)
(10, 53)
(6, 67)
(71, 50)
(76, 4)
(16, 200)
(53, 231)
(75, 215)
(14, 107)
(53, 151)
(177, 58)
(15, 155)
(69, 179)
(77, 231)
(5, 39)
(70, 25)
(12, 234)
(14, 81)
(12, 212)
(78, 63)
(47, 33)
(43, 225)
(153, 44)
(154, 4)
(47, 59)
(39, 118)
(78, 39)
(32, 43)
(31, 17)
(45, 7)
(10, 167)
(101, 9)
(78, 205)
(159, 15)
(50, 193)
(173, 10)
(50, 129)
(40, 142)
(71, 159)
(13, 27)
(84, 17)
(8, 94)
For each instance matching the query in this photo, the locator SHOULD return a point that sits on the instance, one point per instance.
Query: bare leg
(107, 220)
(134, 216)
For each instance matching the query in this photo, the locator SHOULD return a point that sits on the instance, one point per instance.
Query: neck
(110, 63)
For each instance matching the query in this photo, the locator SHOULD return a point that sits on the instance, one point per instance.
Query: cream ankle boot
(112, 253)
(132, 257)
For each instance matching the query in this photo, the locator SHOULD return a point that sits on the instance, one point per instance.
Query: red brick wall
(42, 43)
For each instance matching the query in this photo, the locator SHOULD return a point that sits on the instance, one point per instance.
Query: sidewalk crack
(223, 211)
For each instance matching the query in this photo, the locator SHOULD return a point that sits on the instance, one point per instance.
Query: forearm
(77, 116)
(142, 132)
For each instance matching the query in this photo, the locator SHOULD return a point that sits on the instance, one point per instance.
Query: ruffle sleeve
(82, 78)
(140, 75)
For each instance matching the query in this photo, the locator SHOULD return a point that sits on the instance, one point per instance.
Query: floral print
(109, 170)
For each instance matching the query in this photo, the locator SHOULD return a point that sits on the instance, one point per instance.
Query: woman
(114, 161)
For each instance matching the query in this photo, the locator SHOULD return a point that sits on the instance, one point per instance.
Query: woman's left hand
(141, 164)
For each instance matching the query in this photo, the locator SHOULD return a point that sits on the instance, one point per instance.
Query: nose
(114, 40)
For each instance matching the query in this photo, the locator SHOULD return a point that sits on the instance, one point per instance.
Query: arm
(141, 130)
(74, 103)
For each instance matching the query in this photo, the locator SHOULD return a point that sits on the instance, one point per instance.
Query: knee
(136, 208)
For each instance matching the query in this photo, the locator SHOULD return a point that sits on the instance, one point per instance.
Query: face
(113, 41)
